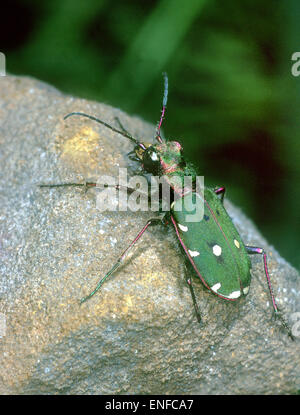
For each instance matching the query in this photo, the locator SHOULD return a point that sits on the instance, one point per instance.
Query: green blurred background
(233, 101)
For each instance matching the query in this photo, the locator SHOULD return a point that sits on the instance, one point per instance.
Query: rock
(139, 334)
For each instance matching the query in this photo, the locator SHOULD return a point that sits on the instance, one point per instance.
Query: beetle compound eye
(151, 161)
(154, 156)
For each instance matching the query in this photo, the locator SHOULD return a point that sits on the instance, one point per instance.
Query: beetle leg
(151, 222)
(190, 284)
(85, 185)
(220, 191)
(132, 156)
(256, 250)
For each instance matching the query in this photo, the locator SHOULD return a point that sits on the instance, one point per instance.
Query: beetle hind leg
(190, 284)
(256, 250)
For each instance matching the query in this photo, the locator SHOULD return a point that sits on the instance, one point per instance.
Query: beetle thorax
(171, 158)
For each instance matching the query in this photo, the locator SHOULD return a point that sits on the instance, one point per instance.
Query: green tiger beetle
(212, 245)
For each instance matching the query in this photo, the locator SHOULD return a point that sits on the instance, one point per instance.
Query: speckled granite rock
(139, 334)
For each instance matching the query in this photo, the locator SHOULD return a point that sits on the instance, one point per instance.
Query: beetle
(212, 245)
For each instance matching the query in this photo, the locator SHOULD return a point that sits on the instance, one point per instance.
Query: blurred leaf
(146, 57)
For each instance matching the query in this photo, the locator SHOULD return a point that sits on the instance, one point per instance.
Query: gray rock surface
(139, 334)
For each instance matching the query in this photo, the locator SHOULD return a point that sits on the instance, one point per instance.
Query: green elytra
(213, 245)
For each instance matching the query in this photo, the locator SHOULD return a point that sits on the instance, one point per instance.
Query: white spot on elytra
(236, 243)
(217, 250)
(234, 294)
(246, 290)
(216, 286)
(194, 253)
(183, 228)
(154, 157)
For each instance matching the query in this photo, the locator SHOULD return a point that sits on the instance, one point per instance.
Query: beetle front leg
(220, 191)
(256, 250)
(87, 185)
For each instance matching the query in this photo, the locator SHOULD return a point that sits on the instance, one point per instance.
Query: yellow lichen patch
(127, 304)
(81, 148)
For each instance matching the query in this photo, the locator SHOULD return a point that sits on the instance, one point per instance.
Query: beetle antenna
(108, 126)
(164, 106)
